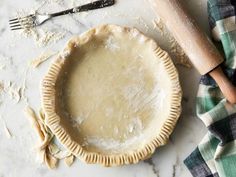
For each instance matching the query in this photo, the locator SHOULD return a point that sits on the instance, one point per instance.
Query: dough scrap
(69, 160)
(50, 160)
(35, 63)
(6, 129)
(50, 153)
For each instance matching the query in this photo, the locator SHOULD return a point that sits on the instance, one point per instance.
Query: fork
(37, 19)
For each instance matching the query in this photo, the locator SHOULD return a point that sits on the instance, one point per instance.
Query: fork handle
(90, 6)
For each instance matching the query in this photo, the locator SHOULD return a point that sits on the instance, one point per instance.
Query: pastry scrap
(48, 150)
(69, 160)
(6, 129)
(42, 58)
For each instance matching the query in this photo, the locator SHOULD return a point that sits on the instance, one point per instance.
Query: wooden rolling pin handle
(227, 88)
(195, 43)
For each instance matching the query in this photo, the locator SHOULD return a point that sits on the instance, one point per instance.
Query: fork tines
(21, 23)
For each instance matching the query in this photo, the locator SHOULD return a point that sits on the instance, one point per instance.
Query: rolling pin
(195, 43)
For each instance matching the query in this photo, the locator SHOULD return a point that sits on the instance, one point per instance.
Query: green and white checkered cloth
(215, 156)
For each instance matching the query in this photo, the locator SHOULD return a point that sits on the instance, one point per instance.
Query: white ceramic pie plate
(112, 96)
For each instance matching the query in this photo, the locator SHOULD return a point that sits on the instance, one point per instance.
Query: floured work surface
(113, 91)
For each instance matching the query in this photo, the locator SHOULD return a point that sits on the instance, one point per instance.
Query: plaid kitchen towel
(215, 156)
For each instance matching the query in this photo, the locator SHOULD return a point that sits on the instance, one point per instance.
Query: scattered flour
(48, 37)
(14, 92)
(141, 21)
(112, 145)
(11, 90)
(1, 87)
(136, 125)
(65, 54)
(116, 130)
(2, 66)
(158, 25)
(41, 36)
(5, 61)
(175, 48)
(109, 112)
(138, 97)
(79, 120)
(111, 44)
(178, 52)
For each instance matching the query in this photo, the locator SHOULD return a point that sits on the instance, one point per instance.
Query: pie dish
(112, 96)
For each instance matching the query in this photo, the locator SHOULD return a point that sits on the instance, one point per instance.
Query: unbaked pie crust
(112, 96)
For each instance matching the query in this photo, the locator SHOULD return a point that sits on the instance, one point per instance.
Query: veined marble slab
(18, 154)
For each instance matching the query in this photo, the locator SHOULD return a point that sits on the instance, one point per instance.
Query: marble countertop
(17, 153)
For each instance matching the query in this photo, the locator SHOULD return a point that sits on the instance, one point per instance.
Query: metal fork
(37, 19)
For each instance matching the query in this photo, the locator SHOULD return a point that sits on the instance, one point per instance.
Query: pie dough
(112, 96)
